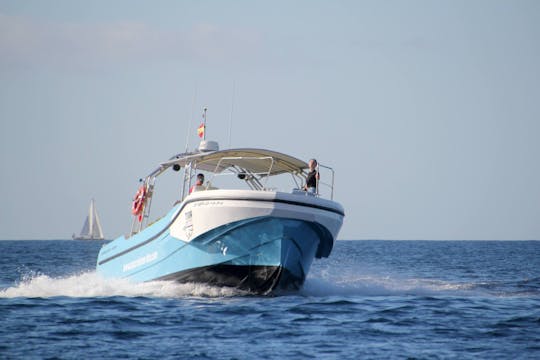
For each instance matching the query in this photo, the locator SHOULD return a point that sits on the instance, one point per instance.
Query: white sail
(95, 226)
(86, 227)
(92, 227)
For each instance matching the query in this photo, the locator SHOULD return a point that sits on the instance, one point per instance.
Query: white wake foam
(372, 285)
(90, 284)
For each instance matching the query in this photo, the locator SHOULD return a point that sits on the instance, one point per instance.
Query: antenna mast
(231, 118)
(204, 122)
(191, 118)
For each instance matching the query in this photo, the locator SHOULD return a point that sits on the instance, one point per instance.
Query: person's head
(312, 164)
(200, 179)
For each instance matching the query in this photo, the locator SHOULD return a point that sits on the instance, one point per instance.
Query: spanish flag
(200, 130)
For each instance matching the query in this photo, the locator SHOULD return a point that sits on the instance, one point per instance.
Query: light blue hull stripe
(263, 241)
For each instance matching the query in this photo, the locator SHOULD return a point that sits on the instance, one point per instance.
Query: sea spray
(91, 284)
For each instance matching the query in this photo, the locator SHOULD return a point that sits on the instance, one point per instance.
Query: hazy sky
(429, 111)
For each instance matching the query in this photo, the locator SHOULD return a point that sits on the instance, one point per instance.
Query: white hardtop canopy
(248, 159)
(248, 164)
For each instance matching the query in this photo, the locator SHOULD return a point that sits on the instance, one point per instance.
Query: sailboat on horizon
(92, 227)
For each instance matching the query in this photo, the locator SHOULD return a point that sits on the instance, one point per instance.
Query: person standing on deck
(312, 178)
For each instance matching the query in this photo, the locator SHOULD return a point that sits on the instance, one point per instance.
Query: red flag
(200, 130)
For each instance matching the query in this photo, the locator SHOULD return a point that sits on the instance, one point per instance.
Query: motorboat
(91, 229)
(237, 229)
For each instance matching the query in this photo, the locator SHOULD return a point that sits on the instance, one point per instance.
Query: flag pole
(204, 122)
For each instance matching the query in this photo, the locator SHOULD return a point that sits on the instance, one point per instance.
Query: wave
(373, 285)
(379, 286)
(91, 284)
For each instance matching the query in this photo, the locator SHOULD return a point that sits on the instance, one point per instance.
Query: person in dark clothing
(312, 178)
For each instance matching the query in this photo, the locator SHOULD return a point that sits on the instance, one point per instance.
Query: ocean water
(369, 300)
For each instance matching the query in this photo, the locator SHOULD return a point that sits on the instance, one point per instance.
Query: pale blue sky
(429, 111)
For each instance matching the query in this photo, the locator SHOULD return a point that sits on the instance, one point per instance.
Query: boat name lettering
(209, 203)
(140, 261)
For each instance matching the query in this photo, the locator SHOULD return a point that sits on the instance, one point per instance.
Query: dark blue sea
(369, 300)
